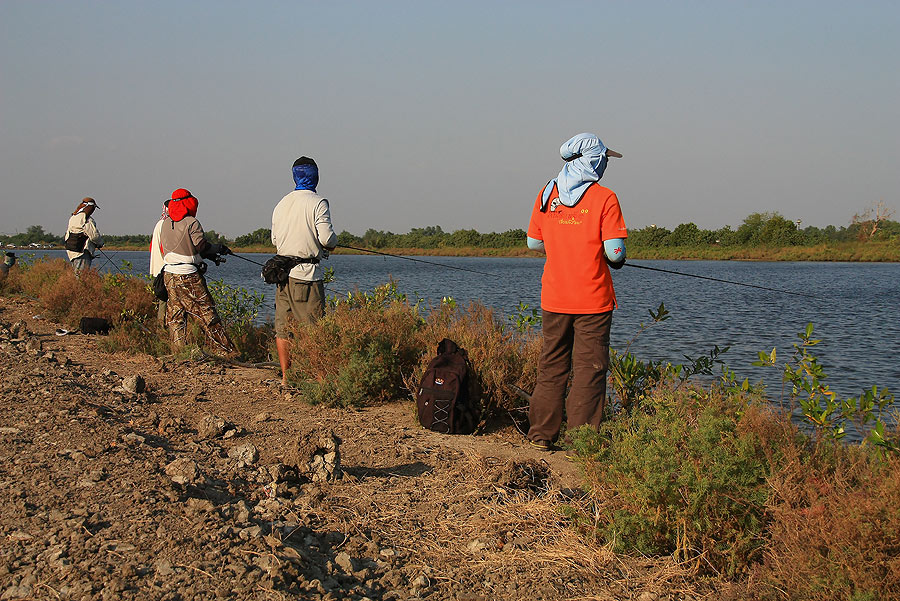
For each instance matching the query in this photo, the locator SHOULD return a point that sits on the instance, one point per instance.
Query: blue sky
(450, 114)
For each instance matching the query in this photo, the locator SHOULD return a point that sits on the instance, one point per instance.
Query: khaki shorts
(305, 301)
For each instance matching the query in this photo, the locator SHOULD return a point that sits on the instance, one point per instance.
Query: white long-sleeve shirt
(301, 227)
(79, 224)
(156, 256)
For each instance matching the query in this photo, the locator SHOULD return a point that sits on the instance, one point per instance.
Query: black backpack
(444, 401)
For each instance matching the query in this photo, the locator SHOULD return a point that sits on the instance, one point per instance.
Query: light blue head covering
(585, 157)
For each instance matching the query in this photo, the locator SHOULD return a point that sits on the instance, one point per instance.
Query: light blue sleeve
(614, 249)
(535, 244)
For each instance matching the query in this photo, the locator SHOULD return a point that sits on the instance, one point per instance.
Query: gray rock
(318, 454)
(16, 592)
(211, 426)
(245, 454)
(343, 560)
(133, 439)
(183, 471)
(134, 384)
(164, 568)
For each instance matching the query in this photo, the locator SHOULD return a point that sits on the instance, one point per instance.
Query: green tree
(686, 234)
(215, 237)
(649, 237)
(262, 236)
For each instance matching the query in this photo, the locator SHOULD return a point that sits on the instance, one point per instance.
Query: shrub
(357, 353)
(835, 530)
(239, 308)
(31, 278)
(687, 476)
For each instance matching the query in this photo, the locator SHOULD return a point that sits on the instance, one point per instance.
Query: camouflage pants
(188, 295)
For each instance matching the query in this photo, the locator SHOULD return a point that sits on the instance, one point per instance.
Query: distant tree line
(758, 229)
(423, 237)
(765, 229)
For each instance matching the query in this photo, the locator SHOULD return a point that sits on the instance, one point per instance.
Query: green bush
(687, 475)
(358, 352)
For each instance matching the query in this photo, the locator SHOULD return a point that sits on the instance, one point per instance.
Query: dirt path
(211, 484)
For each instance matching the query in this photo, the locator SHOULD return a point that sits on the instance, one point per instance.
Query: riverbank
(873, 251)
(198, 485)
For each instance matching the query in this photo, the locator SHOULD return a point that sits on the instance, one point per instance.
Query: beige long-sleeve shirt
(81, 223)
(301, 227)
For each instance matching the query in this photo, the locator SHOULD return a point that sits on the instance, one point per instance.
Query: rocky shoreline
(129, 477)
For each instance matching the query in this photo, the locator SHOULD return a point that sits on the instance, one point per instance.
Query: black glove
(224, 250)
(615, 264)
(210, 251)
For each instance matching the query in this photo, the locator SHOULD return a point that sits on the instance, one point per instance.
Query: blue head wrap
(585, 157)
(306, 176)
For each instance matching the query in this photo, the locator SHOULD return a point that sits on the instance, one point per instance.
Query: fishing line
(703, 277)
(263, 265)
(246, 259)
(375, 252)
(109, 260)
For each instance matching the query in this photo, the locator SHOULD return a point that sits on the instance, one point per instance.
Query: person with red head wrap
(183, 244)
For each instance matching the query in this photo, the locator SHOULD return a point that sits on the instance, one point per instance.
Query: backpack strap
(447, 346)
(545, 195)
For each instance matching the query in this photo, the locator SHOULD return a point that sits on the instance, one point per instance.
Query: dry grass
(836, 528)
(501, 356)
(509, 518)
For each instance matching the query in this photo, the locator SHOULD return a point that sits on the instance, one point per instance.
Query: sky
(446, 113)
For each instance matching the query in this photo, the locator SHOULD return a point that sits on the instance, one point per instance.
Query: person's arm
(535, 244)
(613, 233)
(614, 251)
(534, 238)
(204, 248)
(273, 235)
(93, 234)
(324, 230)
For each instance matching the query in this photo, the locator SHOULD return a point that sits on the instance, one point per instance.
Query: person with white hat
(82, 235)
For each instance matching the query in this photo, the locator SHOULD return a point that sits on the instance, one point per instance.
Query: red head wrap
(182, 204)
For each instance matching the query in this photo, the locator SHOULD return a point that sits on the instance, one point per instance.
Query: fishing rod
(703, 277)
(109, 260)
(327, 285)
(376, 252)
(246, 259)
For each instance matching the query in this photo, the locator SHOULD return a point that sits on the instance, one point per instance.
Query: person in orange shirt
(578, 224)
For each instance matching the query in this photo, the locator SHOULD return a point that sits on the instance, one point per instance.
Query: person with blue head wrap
(306, 174)
(578, 224)
(303, 235)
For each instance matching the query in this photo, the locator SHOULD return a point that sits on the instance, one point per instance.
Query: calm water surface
(854, 311)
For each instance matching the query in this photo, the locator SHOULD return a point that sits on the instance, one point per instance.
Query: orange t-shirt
(576, 278)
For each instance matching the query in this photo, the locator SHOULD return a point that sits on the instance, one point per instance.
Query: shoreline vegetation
(711, 477)
(870, 237)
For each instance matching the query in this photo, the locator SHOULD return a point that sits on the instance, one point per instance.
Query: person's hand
(224, 250)
(615, 264)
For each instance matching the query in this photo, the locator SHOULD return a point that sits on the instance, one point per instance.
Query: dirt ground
(130, 477)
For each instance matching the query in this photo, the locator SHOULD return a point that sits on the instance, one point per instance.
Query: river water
(854, 309)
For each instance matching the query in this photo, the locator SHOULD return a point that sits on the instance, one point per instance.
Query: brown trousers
(579, 343)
